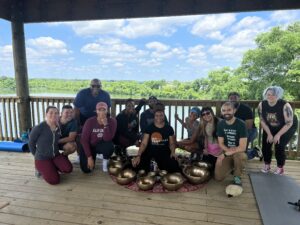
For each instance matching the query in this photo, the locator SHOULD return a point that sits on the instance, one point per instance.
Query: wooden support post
(20, 65)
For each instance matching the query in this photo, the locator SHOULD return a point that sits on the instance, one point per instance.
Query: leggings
(161, 157)
(106, 148)
(49, 168)
(279, 148)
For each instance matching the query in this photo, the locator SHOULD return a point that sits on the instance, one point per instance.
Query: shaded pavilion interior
(19, 12)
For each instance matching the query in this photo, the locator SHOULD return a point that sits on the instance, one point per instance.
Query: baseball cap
(101, 105)
(196, 110)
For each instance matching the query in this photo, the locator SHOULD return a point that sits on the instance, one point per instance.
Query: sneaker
(237, 180)
(99, 156)
(77, 160)
(104, 165)
(258, 153)
(266, 168)
(37, 174)
(279, 171)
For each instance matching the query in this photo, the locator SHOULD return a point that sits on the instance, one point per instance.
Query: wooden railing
(9, 124)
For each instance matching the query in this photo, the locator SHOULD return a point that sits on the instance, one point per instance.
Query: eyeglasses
(95, 86)
(205, 114)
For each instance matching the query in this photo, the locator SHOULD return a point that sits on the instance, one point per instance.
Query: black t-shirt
(67, 128)
(159, 137)
(232, 133)
(244, 113)
(273, 115)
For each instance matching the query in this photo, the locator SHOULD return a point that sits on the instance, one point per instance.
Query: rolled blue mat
(10, 146)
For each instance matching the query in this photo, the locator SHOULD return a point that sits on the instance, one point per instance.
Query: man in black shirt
(244, 112)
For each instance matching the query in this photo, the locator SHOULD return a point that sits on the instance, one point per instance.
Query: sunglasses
(95, 86)
(206, 113)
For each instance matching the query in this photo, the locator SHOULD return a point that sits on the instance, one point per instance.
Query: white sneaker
(266, 168)
(77, 160)
(104, 165)
(279, 171)
(99, 156)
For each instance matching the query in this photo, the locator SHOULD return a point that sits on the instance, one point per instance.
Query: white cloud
(215, 35)
(157, 46)
(197, 56)
(131, 28)
(228, 53)
(96, 28)
(285, 16)
(250, 22)
(47, 46)
(113, 50)
(6, 52)
(207, 26)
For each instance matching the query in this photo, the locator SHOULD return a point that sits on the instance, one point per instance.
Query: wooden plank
(4, 120)
(9, 121)
(16, 133)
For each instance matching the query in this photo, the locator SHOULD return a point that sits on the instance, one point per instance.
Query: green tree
(275, 61)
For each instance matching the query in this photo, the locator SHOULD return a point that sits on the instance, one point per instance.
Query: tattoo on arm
(289, 112)
(288, 122)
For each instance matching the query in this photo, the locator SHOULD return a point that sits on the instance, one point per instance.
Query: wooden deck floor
(96, 199)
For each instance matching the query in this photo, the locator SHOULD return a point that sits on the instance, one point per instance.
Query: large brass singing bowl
(196, 175)
(126, 176)
(115, 159)
(115, 168)
(203, 164)
(172, 181)
(146, 183)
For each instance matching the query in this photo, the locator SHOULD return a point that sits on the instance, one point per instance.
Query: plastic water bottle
(24, 137)
(153, 166)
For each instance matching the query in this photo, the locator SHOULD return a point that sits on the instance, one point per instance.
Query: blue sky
(171, 48)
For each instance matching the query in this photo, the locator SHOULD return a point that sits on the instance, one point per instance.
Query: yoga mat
(272, 192)
(10, 146)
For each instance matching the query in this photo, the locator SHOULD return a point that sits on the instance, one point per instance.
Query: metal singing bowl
(162, 173)
(115, 159)
(146, 183)
(141, 173)
(196, 175)
(203, 164)
(115, 168)
(172, 181)
(126, 176)
(152, 174)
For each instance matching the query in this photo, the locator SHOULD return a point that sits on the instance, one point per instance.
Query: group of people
(90, 130)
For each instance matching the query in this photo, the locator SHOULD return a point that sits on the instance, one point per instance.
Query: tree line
(274, 61)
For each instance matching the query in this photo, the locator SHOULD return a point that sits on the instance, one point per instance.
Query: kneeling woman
(43, 144)
(96, 138)
(159, 144)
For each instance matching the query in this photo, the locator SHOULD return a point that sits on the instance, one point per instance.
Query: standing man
(147, 117)
(244, 112)
(68, 127)
(87, 99)
(232, 139)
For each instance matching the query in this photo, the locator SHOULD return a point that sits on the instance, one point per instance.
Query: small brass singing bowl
(146, 183)
(172, 181)
(115, 168)
(141, 173)
(162, 173)
(125, 177)
(203, 164)
(152, 174)
(196, 175)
